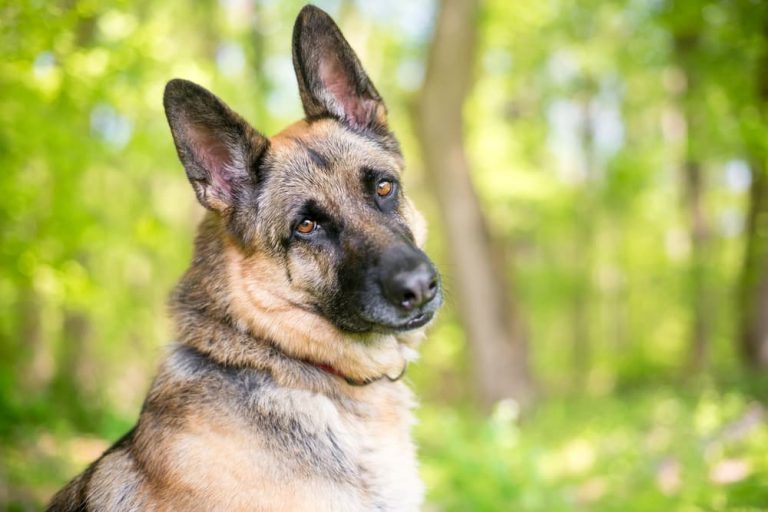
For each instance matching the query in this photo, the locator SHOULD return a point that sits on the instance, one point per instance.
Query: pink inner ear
(357, 110)
(215, 157)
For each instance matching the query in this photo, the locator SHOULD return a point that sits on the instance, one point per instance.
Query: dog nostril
(431, 289)
(413, 290)
(409, 298)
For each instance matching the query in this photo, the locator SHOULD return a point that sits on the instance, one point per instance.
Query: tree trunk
(699, 291)
(493, 327)
(583, 243)
(37, 371)
(685, 46)
(753, 296)
(258, 72)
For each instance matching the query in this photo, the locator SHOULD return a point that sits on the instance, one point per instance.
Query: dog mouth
(361, 326)
(417, 321)
(371, 314)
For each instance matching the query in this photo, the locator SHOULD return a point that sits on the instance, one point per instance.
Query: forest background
(595, 173)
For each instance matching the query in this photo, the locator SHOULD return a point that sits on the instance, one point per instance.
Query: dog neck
(359, 383)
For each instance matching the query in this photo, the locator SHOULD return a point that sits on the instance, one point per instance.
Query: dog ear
(218, 148)
(331, 79)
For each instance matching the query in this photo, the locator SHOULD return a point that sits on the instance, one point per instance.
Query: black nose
(411, 288)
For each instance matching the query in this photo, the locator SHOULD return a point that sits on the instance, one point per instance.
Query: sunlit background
(617, 151)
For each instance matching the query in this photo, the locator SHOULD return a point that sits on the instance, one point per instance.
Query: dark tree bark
(686, 43)
(491, 321)
(753, 296)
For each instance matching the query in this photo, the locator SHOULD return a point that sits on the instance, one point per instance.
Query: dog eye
(384, 188)
(306, 227)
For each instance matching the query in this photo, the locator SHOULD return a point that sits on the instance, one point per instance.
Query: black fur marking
(190, 360)
(371, 178)
(318, 159)
(329, 227)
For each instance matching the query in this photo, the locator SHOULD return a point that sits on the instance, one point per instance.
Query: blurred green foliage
(97, 219)
(641, 451)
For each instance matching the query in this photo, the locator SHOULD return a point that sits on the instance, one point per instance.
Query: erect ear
(331, 79)
(218, 148)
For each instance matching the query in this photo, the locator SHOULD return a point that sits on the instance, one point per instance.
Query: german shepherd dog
(295, 321)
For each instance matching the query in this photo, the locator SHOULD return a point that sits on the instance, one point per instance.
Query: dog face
(321, 203)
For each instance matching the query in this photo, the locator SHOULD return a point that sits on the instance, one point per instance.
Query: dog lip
(417, 321)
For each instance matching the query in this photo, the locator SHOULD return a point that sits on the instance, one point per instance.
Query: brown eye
(384, 188)
(306, 226)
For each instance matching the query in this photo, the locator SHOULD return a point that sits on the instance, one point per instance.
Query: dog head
(316, 215)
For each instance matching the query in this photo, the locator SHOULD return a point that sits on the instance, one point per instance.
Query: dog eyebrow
(369, 175)
(311, 208)
(317, 158)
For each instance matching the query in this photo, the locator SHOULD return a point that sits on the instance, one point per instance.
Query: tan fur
(224, 464)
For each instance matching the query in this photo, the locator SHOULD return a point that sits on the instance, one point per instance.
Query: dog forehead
(323, 149)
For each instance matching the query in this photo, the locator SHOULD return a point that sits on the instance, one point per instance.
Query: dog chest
(360, 450)
(287, 449)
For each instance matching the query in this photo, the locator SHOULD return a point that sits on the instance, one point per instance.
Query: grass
(648, 450)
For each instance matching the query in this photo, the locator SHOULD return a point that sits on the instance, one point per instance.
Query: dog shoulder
(112, 482)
